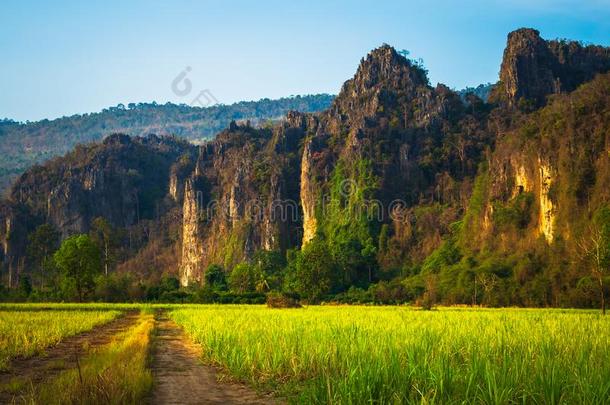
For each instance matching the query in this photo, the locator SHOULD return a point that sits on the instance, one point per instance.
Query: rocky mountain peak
(382, 78)
(385, 67)
(533, 68)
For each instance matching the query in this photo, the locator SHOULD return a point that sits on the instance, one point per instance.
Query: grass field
(399, 355)
(28, 332)
(339, 354)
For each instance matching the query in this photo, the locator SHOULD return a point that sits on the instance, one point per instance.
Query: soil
(63, 356)
(181, 378)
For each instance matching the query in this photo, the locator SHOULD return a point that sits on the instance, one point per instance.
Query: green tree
(215, 278)
(78, 260)
(315, 271)
(267, 267)
(169, 283)
(243, 278)
(349, 222)
(25, 286)
(113, 288)
(42, 243)
(106, 237)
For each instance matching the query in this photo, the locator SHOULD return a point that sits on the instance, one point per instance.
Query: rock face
(377, 142)
(546, 222)
(192, 249)
(533, 68)
(308, 201)
(246, 190)
(122, 179)
(546, 177)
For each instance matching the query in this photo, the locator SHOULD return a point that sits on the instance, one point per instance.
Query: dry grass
(116, 373)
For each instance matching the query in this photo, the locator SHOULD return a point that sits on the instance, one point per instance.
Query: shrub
(282, 300)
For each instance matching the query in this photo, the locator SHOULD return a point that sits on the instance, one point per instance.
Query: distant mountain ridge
(25, 144)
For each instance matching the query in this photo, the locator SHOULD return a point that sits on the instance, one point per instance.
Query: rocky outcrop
(549, 174)
(179, 172)
(123, 180)
(389, 138)
(308, 196)
(513, 175)
(192, 248)
(249, 197)
(120, 179)
(546, 222)
(533, 68)
(383, 130)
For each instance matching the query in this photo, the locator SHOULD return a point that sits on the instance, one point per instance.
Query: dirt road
(181, 377)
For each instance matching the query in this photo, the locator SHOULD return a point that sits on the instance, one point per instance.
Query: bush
(282, 300)
(356, 295)
(215, 277)
(242, 278)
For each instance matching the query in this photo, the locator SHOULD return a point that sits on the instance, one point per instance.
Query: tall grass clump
(399, 355)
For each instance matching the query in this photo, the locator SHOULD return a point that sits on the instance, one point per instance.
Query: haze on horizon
(67, 58)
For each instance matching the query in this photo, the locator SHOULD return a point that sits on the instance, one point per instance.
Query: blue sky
(66, 57)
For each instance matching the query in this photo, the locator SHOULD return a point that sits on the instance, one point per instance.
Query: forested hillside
(24, 144)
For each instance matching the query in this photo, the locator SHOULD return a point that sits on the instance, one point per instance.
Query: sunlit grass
(402, 355)
(116, 373)
(27, 333)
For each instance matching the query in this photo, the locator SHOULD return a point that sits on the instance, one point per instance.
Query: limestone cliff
(546, 177)
(546, 221)
(533, 68)
(248, 188)
(388, 119)
(122, 179)
(192, 249)
(308, 199)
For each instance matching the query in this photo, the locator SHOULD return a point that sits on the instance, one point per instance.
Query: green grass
(28, 332)
(352, 355)
(342, 354)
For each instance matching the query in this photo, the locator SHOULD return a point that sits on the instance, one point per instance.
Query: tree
(107, 239)
(42, 243)
(315, 271)
(25, 286)
(595, 249)
(78, 260)
(268, 266)
(242, 278)
(430, 296)
(215, 278)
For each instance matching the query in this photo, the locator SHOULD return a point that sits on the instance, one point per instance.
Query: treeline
(83, 268)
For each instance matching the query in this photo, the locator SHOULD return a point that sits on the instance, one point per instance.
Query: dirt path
(181, 378)
(60, 357)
